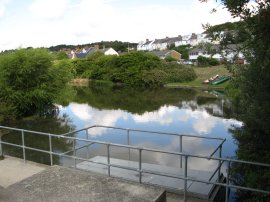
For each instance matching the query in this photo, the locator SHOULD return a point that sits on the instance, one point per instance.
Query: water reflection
(184, 111)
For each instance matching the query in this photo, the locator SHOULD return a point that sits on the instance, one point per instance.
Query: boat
(207, 81)
(220, 80)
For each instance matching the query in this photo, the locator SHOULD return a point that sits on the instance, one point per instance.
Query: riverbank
(204, 73)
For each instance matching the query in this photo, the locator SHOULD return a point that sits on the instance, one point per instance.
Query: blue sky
(43, 23)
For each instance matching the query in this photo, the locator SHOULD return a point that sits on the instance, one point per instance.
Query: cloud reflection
(201, 121)
(91, 116)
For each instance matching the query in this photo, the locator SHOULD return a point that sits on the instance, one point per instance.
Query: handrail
(217, 148)
(144, 131)
(146, 149)
(186, 178)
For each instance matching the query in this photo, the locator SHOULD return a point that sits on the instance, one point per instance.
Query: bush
(134, 69)
(204, 61)
(29, 81)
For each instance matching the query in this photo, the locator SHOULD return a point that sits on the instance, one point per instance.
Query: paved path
(33, 182)
(14, 170)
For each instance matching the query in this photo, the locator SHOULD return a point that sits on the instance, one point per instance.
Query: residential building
(164, 43)
(166, 53)
(230, 53)
(85, 52)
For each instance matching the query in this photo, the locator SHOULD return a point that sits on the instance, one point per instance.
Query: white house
(88, 51)
(146, 46)
(109, 51)
(164, 43)
(229, 53)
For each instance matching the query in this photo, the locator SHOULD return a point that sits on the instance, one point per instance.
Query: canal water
(181, 111)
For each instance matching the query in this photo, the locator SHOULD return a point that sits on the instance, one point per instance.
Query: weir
(191, 176)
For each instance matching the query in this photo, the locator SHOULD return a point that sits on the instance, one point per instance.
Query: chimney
(167, 37)
(97, 46)
(147, 40)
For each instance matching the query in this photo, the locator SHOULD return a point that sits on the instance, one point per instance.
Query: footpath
(33, 182)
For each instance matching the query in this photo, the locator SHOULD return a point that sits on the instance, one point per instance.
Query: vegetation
(61, 55)
(29, 81)
(251, 95)
(206, 73)
(116, 45)
(183, 49)
(204, 61)
(137, 69)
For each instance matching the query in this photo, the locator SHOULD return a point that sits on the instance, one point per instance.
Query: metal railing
(186, 178)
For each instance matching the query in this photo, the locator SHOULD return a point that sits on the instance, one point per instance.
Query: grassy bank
(204, 73)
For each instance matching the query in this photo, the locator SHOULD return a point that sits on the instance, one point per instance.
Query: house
(166, 53)
(85, 52)
(109, 51)
(230, 53)
(164, 43)
(145, 46)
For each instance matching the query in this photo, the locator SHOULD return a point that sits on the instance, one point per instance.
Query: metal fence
(182, 156)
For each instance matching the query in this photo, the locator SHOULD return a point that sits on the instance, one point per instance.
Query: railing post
(86, 134)
(185, 184)
(74, 152)
(51, 156)
(128, 142)
(1, 149)
(227, 182)
(219, 162)
(181, 149)
(23, 147)
(108, 160)
(140, 165)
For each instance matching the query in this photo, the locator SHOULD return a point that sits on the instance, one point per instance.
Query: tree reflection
(49, 122)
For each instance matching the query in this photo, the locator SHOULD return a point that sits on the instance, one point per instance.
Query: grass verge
(204, 73)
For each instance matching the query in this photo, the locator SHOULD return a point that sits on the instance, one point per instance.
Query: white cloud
(3, 6)
(53, 22)
(49, 9)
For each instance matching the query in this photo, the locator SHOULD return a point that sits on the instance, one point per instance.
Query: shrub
(204, 61)
(29, 81)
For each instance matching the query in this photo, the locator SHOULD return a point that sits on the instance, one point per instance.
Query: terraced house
(164, 43)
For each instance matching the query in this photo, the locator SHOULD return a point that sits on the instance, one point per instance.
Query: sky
(45, 23)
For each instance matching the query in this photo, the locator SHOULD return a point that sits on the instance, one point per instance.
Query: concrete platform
(13, 170)
(65, 184)
(197, 189)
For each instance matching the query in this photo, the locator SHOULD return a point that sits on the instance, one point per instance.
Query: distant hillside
(119, 46)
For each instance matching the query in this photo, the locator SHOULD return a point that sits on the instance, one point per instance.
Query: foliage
(29, 81)
(204, 61)
(95, 55)
(251, 93)
(134, 69)
(183, 49)
(61, 55)
(119, 46)
(170, 59)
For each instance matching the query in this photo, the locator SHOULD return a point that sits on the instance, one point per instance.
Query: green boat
(220, 80)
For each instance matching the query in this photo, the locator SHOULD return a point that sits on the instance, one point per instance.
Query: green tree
(251, 94)
(29, 81)
(204, 61)
(61, 55)
(183, 49)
